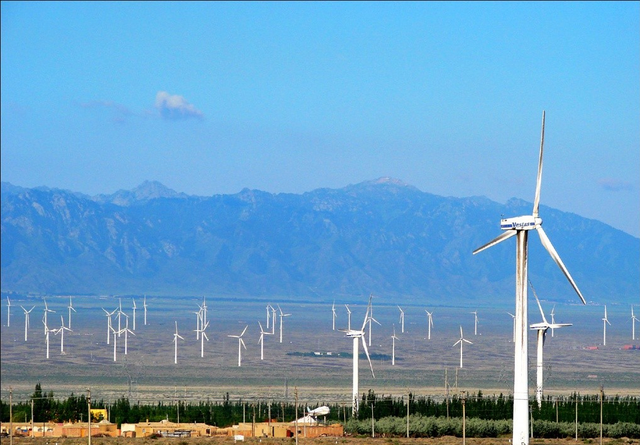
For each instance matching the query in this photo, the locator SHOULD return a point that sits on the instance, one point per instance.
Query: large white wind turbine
(633, 324)
(605, 320)
(401, 319)
(358, 334)
(393, 346)
(334, 315)
(520, 227)
(553, 319)
(176, 336)
(46, 311)
(281, 317)
(70, 308)
(348, 317)
(461, 341)
(240, 344)
(8, 311)
(60, 331)
(542, 328)
(273, 320)
(268, 308)
(429, 323)
(199, 322)
(115, 343)
(26, 321)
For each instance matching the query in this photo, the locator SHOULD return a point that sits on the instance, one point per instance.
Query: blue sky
(210, 98)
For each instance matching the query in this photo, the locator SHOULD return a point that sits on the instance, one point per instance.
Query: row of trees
(225, 412)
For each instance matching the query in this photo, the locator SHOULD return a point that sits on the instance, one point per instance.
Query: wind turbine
(261, 341)
(46, 335)
(126, 332)
(273, 321)
(203, 336)
(46, 311)
(358, 334)
(176, 336)
(401, 319)
(281, 317)
(204, 310)
(519, 227)
(198, 322)
(334, 315)
(348, 317)
(605, 320)
(475, 322)
(134, 313)
(268, 308)
(633, 324)
(393, 346)
(115, 342)
(144, 306)
(61, 332)
(462, 339)
(429, 323)
(109, 328)
(553, 319)
(119, 315)
(542, 334)
(240, 344)
(26, 320)
(514, 326)
(70, 308)
(8, 311)
(370, 318)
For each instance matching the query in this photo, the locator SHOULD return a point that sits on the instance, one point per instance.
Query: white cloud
(614, 185)
(173, 106)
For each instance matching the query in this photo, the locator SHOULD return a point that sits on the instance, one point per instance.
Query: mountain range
(383, 237)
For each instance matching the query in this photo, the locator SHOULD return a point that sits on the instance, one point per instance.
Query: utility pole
(10, 416)
(373, 424)
(408, 402)
(89, 408)
(296, 393)
(253, 422)
(32, 418)
(576, 417)
(464, 418)
(601, 402)
(446, 388)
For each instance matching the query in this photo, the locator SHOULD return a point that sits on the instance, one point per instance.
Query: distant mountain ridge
(382, 236)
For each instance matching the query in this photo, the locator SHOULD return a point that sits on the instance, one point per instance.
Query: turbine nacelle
(526, 222)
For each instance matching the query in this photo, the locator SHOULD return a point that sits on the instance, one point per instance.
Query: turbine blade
(538, 301)
(366, 351)
(464, 339)
(547, 245)
(536, 201)
(503, 236)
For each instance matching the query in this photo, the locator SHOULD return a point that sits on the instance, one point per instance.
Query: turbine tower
(126, 332)
(60, 331)
(475, 322)
(144, 306)
(281, 317)
(46, 311)
(514, 326)
(109, 328)
(605, 320)
(334, 315)
(176, 336)
(633, 324)
(70, 308)
(348, 317)
(520, 227)
(429, 323)
(240, 344)
(542, 328)
(553, 319)
(26, 321)
(261, 341)
(461, 341)
(355, 335)
(393, 346)
(134, 313)
(203, 337)
(370, 318)
(8, 311)
(46, 335)
(401, 319)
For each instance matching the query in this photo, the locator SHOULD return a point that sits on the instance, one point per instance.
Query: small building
(167, 428)
(282, 430)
